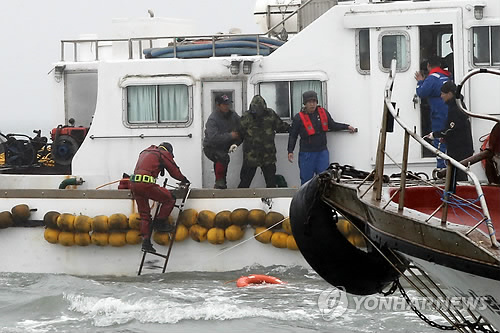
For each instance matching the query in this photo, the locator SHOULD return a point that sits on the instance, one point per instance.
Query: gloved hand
(429, 136)
(184, 182)
(232, 149)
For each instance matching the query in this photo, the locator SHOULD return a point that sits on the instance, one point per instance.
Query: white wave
(110, 311)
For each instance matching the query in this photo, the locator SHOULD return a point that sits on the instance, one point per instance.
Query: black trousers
(247, 173)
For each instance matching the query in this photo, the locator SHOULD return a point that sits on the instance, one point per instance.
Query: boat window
(394, 45)
(285, 97)
(157, 104)
(363, 51)
(486, 47)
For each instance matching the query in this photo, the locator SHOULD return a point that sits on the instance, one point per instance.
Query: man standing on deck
(258, 128)
(152, 161)
(312, 123)
(222, 135)
(430, 88)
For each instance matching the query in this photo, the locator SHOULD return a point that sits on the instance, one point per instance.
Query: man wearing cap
(222, 132)
(312, 123)
(152, 161)
(457, 134)
(448, 60)
(430, 87)
(258, 128)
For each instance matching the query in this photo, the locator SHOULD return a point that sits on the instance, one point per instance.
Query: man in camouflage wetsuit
(258, 128)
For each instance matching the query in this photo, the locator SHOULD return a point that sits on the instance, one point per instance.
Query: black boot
(147, 246)
(162, 226)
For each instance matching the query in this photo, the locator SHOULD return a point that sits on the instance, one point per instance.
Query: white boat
(341, 49)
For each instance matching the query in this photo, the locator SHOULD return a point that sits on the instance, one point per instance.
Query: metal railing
(174, 40)
(451, 163)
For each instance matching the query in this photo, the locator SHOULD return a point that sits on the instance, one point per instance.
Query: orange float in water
(257, 279)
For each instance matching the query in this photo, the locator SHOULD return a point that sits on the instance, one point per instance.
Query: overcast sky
(31, 31)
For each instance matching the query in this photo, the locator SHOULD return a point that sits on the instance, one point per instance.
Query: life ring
(244, 281)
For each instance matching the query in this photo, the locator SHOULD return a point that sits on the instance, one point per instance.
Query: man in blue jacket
(312, 123)
(430, 88)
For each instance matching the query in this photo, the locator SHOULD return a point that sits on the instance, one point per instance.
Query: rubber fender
(206, 218)
(66, 222)
(286, 226)
(216, 236)
(223, 219)
(99, 238)
(161, 238)
(118, 222)
(181, 233)
(274, 220)
(134, 221)
(234, 233)
(188, 217)
(20, 213)
(117, 239)
(51, 235)
(239, 216)
(82, 238)
(279, 239)
(6, 220)
(133, 237)
(291, 244)
(198, 233)
(263, 235)
(256, 218)
(50, 219)
(328, 252)
(66, 238)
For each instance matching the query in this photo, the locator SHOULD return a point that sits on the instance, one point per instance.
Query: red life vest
(306, 121)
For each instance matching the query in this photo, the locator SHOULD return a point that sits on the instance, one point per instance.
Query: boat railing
(137, 45)
(390, 111)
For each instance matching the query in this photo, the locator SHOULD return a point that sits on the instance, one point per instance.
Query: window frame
(157, 81)
(289, 81)
(358, 53)
(407, 53)
(490, 46)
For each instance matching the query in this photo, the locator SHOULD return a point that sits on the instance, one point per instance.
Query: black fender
(328, 252)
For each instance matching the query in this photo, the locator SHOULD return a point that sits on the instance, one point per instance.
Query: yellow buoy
(181, 233)
(6, 220)
(161, 238)
(20, 213)
(134, 221)
(234, 233)
(117, 222)
(287, 226)
(82, 238)
(51, 235)
(66, 222)
(291, 244)
(274, 219)
(239, 216)
(215, 236)
(198, 233)
(279, 239)
(223, 219)
(344, 227)
(50, 219)
(100, 223)
(188, 217)
(99, 238)
(83, 223)
(66, 238)
(133, 237)
(117, 239)
(206, 218)
(356, 239)
(256, 218)
(263, 235)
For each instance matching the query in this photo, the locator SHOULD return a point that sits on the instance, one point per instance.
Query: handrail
(459, 89)
(289, 16)
(390, 108)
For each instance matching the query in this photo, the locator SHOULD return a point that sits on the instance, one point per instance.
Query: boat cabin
(155, 81)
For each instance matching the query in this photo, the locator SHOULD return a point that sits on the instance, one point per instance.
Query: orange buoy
(257, 279)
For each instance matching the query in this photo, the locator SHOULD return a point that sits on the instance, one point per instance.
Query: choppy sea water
(187, 302)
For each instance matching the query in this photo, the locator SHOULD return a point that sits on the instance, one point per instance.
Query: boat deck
(464, 208)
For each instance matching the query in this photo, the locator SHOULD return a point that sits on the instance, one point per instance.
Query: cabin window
(158, 104)
(363, 51)
(394, 45)
(486, 46)
(285, 97)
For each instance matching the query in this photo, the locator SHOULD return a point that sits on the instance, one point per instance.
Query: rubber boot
(220, 184)
(147, 246)
(162, 226)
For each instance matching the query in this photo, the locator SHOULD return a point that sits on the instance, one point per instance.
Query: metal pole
(404, 169)
(446, 196)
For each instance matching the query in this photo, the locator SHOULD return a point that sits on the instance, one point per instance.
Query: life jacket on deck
(306, 121)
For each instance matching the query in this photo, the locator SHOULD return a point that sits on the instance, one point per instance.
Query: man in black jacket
(222, 133)
(457, 133)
